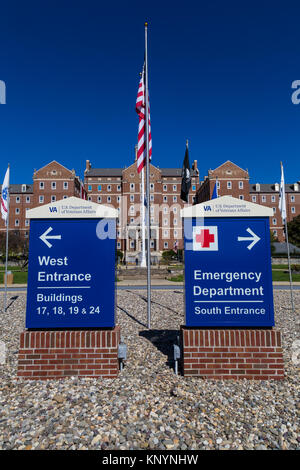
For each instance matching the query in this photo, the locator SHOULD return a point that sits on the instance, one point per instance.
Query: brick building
(50, 183)
(234, 181)
(122, 189)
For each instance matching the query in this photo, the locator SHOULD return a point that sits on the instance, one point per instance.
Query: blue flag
(215, 192)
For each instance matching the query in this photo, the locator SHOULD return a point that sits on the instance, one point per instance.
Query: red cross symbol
(205, 238)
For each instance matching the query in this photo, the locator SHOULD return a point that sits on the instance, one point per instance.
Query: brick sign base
(232, 354)
(58, 354)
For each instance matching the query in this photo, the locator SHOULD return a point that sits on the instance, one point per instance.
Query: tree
(294, 231)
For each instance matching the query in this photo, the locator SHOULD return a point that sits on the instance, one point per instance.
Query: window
(17, 223)
(166, 233)
(165, 187)
(53, 198)
(53, 184)
(165, 210)
(166, 245)
(174, 198)
(193, 188)
(274, 221)
(275, 233)
(241, 184)
(253, 198)
(89, 187)
(119, 187)
(175, 210)
(108, 199)
(241, 197)
(65, 197)
(151, 197)
(165, 221)
(18, 199)
(99, 187)
(263, 198)
(131, 209)
(42, 185)
(118, 245)
(175, 222)
(151, 187)
(99, 199)
(228, 184)
(41, 199)
(108, 187)
(131, 244)
(66, 185)
(131, 186)
(26, 223)
(17, 211)
(175, 233)
(27, 199)
(151, 243)
(118, 198)
(218, 184)
(292, 198)
(89, 198)
(152, 210)
(273, 198)
(165, 198)
(23, 188)
(174, 187)
(131, 197)
(293, 210)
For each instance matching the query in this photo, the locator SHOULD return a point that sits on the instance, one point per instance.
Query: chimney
(277, 187)
(88, 165)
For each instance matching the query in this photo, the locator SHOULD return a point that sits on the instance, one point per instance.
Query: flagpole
(6, 251)
(143, 260)
(289, 263)
(147, 182)
(286, 236)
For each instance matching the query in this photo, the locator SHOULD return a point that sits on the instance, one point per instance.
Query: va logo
(52, 209)
(207, 208)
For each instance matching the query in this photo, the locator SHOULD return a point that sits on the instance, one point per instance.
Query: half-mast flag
(4, 196)
(282, 203)
(186, 176)
(140, 108)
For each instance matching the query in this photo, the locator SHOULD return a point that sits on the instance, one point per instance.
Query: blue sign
(228, 275)
(71, 275)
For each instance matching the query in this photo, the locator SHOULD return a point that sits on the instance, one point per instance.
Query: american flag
(140, 109)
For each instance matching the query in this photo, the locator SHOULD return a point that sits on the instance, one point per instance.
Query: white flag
(282, 204)
(4, 196)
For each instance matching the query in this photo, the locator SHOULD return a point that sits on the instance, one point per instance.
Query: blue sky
(220, 75)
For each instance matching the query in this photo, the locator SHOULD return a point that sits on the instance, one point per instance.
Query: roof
(270, 188)
(226, 206)
(72, 208)
(17, 189)
(108, 172)
(104, 172)
(175, 172)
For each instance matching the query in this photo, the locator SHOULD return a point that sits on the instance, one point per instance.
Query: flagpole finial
(187, 142)
(146, 24)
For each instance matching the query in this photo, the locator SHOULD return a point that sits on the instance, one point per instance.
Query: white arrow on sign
(254, 239)
(45, 237)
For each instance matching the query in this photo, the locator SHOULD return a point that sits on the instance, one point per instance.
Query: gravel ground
(148, 406)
